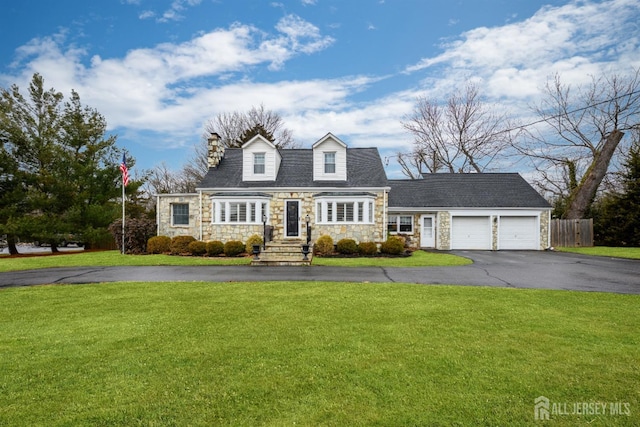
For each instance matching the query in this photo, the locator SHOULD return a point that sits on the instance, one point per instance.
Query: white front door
(427, 231)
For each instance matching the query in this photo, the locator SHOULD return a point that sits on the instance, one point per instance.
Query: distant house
(344, 192)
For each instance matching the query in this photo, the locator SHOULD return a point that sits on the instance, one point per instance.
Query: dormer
(329, 159)
(260, 160)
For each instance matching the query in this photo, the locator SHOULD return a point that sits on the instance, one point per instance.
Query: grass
(617, 252)
(417, 259)
(312, 354)
(109, 258)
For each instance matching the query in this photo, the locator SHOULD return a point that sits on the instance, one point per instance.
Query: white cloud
(171, 89)
(147, 14)
(161, 88)
(577, 39)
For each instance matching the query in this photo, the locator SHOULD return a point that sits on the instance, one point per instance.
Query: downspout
(548, 229)
(200, 213)
(158, 215)
(384, 216)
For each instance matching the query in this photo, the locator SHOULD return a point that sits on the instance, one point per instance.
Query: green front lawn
(312, 354)
(618, 252)
(417, 259)
(111, 258)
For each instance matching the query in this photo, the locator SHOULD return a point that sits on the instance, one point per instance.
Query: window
(400, 224)
(329, 162)
(336, 210)
(239, 211)
(180, 214)
(344, 212)
(258, 164)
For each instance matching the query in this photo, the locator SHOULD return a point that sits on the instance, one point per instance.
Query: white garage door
(518, 232)
(470, 232)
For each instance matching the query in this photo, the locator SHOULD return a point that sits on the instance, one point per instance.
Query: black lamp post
(264, 231)
(305, 247)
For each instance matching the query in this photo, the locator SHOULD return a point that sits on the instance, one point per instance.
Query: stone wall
(277, 217)
(545, 223)
(227, 232)
(443, 236)
(165, 228)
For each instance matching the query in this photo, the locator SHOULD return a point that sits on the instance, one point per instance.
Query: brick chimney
(215, 150)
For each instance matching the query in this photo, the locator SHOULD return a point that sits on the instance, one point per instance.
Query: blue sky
(159, 70)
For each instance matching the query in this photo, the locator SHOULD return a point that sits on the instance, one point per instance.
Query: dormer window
(330, 162)
(258, 163)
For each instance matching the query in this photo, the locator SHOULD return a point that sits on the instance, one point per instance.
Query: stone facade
(164, 209)
(443, 234)
(277, 217)
(545, 223)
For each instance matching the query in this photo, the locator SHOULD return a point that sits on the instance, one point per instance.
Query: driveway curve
(517, 269)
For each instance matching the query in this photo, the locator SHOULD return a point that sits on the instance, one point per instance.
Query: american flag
(125, 171)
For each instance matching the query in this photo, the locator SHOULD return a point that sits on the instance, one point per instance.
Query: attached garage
(471, 232)
(481, 211)
(518, 232)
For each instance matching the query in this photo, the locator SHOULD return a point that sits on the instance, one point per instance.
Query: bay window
(239, 211)
(342, 210)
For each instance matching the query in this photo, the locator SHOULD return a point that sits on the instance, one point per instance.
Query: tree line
(58, 174)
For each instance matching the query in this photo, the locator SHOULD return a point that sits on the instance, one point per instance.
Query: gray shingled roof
(472, 190)
(364, 169)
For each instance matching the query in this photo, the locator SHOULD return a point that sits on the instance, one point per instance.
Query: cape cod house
(344, 192)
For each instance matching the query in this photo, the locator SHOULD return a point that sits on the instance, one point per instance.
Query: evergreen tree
(61, 174)
(258, 129)
(617, 218)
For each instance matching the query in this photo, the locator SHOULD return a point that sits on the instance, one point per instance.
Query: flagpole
(123, 215)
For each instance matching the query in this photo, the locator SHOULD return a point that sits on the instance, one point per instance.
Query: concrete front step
(283, 253)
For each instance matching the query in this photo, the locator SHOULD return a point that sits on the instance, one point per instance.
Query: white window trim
(173, 224)
(368, 205)
(263, 164)
(335, 162)
(216, 210)
(398, 216)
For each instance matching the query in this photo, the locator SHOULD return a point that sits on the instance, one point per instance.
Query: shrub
(137, 232)
(393, 246)
(253, 240)
(324, 245)
(233, 248)
(368, 248)
(215, 248)
(347, 246)
(197, 248)
(159, 245)
(180, 244)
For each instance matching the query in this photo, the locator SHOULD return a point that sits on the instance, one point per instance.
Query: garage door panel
(518, 232)
(470, 232)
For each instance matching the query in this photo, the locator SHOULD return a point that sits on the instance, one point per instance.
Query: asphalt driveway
(517, 269)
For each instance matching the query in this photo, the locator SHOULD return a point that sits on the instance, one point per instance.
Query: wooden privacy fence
(572, 232)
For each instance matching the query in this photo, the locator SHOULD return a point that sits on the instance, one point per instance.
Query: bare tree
(464, 135)
(160, 180)
(232, 126)
(196, 167)
(583, 129)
